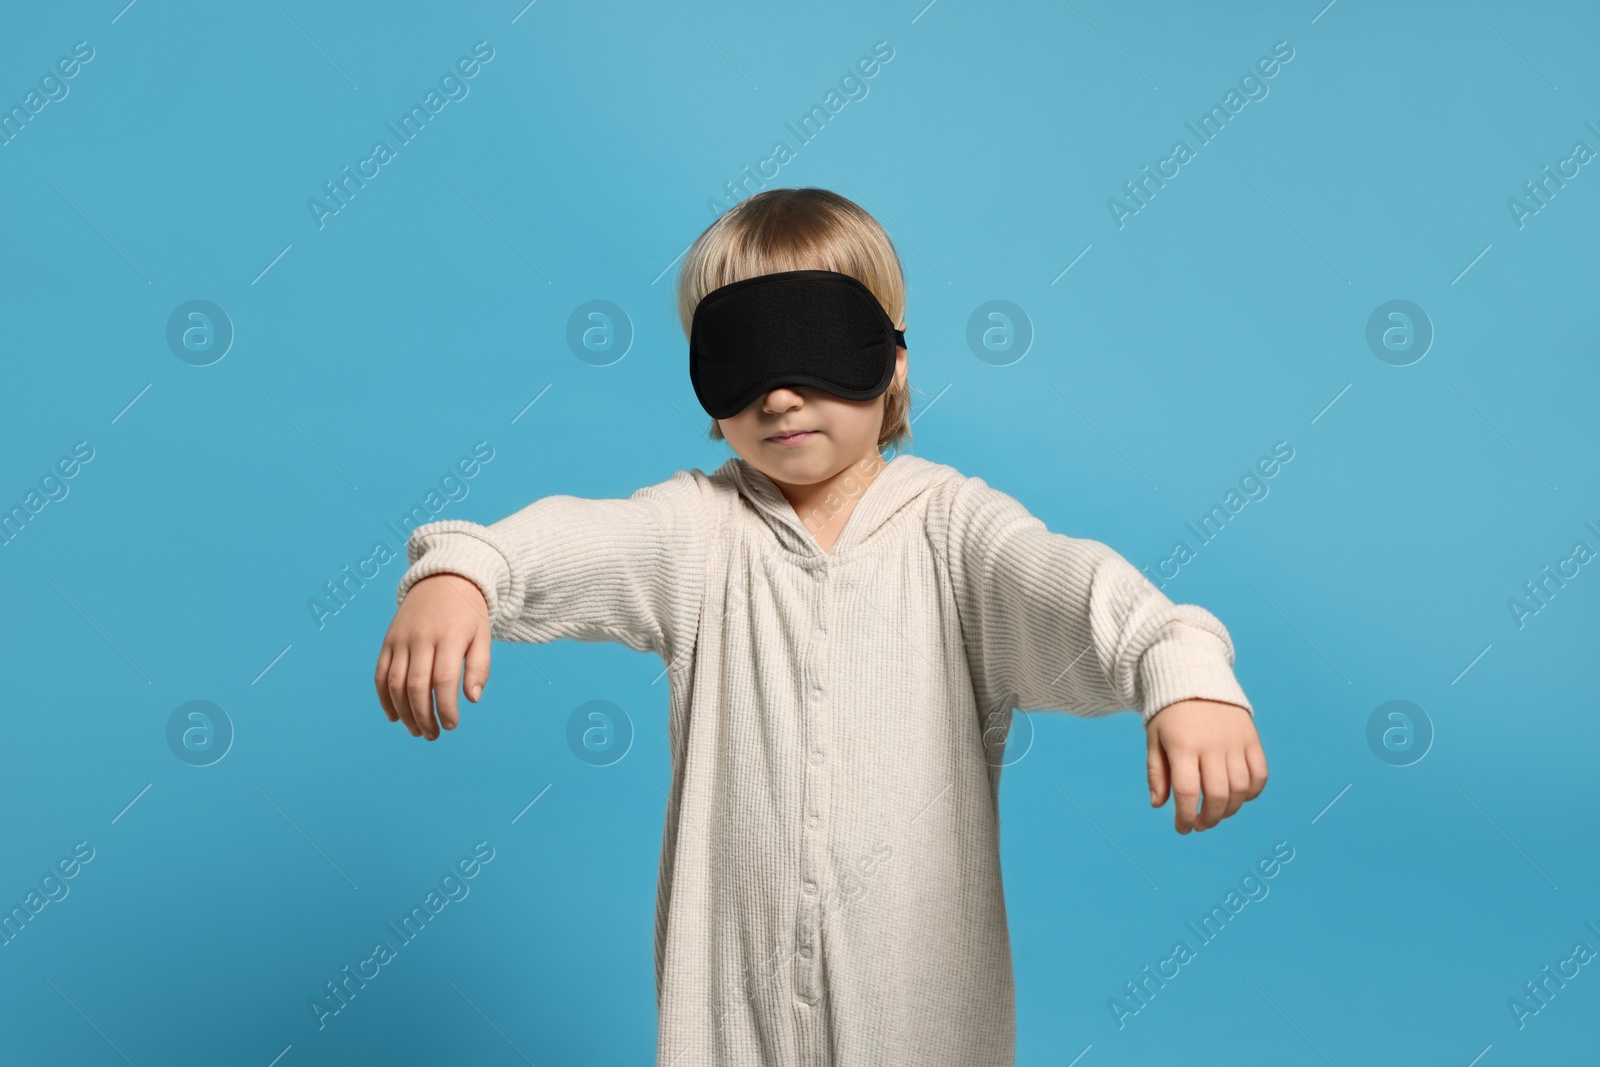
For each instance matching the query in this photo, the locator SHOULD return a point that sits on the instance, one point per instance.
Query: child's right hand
(443, 618)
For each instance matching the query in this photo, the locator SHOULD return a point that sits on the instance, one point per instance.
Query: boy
(846, 639)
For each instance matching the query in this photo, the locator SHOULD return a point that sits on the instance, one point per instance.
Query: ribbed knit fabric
(830, 870)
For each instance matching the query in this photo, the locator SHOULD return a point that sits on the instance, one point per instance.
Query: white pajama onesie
(830, 887)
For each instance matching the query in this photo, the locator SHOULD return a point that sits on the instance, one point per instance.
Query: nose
(783, 398)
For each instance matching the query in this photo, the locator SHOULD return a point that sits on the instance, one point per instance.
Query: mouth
(792, 437)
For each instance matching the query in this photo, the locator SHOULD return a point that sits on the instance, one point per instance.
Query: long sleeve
(1052, 622)
(630, 570)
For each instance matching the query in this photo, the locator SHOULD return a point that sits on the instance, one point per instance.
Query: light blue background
(1228, 314)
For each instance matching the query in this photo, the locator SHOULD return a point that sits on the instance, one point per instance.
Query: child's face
(841, 432)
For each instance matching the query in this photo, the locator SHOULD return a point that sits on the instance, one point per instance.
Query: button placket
(807, 964)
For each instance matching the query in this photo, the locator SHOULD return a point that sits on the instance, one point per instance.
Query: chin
(798, 466)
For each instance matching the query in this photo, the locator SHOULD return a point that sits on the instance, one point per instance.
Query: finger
(1214, 780)
(397, 689)
(478, 662)
(1238, 783)
(1185, 789)
(380, 679)
(419, 687)
(446, 678)
(1156, 769)
(1256, 760)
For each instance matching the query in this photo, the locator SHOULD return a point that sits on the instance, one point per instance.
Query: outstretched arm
(1053, 622)
(628, 569)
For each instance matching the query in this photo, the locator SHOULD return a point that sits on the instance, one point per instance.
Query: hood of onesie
(905, 480)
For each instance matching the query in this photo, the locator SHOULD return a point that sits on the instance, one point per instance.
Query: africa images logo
(1253, 86)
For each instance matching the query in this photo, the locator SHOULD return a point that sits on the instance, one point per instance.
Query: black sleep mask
(798, 327)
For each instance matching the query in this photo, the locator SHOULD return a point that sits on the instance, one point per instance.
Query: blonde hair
(801, 229)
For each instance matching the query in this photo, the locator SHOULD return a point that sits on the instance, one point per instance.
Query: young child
(846, 637)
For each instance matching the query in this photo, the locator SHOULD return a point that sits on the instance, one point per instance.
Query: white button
(805, 950)
(815, 821)
(811, 887)
(816, 757)
(816, 690)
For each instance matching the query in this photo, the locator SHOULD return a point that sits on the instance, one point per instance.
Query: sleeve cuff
(1189, 664)
(456, 546)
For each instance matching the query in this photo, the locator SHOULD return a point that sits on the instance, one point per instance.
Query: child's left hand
(1204, 743)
